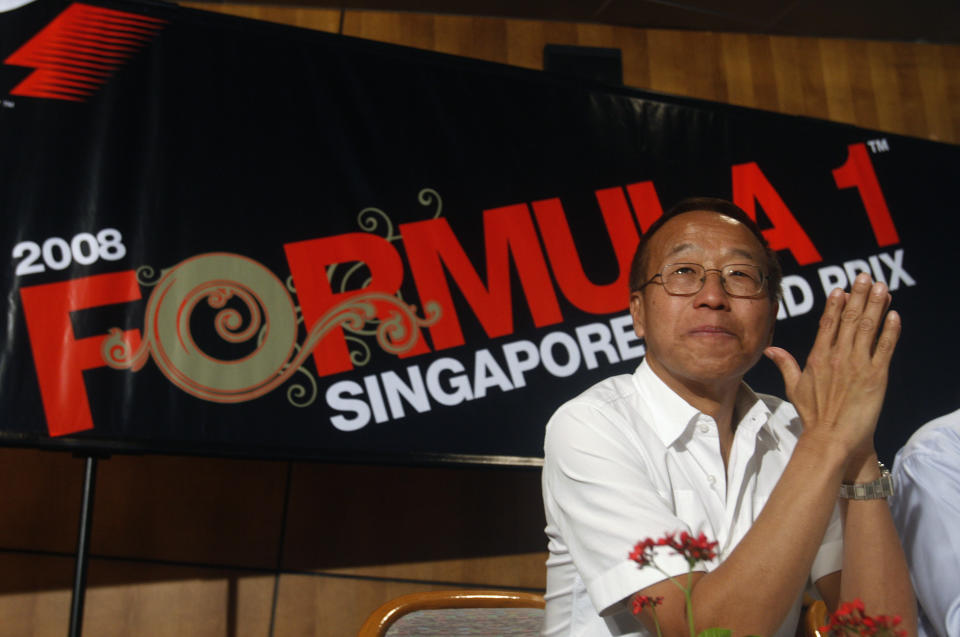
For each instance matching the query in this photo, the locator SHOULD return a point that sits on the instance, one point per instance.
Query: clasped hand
(840, 391)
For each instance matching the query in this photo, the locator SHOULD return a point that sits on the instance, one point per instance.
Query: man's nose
(712, 293)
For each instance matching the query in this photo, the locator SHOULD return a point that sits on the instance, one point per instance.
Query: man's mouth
(710, 330)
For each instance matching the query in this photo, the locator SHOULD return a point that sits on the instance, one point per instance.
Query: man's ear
(636, 311)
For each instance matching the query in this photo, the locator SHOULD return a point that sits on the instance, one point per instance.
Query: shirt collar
(672, 415)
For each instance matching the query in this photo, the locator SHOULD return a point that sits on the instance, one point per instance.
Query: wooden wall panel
(316, 19)
(309, 606)
(837, 80)
(479, 526)
(186, 509)
(897, 88)
(34, 595)
(634, 46)
(357, 536)
(737, 68)
(933, 80)
(162, 600)
(951, 73)
(483, 38)
(861, 85)
(40, 500)
(407, 29)
(763, 73)
(41, 614)
(686, 63)
(155, 600)
(812, 85)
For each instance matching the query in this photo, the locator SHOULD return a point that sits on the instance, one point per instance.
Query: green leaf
(715, 632)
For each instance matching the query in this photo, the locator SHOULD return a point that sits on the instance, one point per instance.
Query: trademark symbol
(878, 145)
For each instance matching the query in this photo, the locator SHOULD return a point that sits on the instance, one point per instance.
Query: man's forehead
(702, 231)
(738, 251)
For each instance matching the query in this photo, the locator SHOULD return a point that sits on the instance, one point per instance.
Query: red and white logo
(79, 50)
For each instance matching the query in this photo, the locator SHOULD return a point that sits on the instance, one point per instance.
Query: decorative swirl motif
(397, 334)
(300, 396)
(354, 269)
(146, 274)
(229, 322)
(427, 196)
(373, 219)
(368, 222)
(220, 278)
(361, 355)
(116, 351)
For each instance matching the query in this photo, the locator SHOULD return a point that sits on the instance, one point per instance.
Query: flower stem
(656, 622)
(686, 596)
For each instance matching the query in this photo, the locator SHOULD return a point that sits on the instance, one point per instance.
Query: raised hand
(840, 391)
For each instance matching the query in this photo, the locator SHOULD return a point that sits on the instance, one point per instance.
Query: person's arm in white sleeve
(602, 499)
(927, 511)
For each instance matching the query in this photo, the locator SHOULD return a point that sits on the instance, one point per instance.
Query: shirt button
(712, 480)
(704, 427)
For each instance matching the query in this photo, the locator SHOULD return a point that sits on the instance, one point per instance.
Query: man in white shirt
(684, 445)
(926, 510)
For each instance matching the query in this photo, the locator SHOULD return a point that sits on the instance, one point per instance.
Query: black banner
(229, 237)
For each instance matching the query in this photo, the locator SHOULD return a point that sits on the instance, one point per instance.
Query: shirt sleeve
(602, 499)
(926, 509)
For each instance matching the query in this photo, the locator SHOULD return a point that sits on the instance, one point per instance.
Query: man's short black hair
(638, 267)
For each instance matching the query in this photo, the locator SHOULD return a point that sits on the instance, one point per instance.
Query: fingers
(787, 364)
(860, 321)
(871, 321)
(887, 341)
(829, 322)
(857, 326)
(842, 387)
(853, 319)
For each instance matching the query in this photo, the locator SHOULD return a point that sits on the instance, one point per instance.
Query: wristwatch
(882, 487)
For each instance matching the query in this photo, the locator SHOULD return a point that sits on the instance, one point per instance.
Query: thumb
(786, 363)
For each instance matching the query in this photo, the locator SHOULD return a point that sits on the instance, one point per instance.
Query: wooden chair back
(380, 621)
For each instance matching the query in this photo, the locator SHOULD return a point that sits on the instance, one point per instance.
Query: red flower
(848, 608)
(642, 553)
(694, 549)
(642, 601)
(851, 618)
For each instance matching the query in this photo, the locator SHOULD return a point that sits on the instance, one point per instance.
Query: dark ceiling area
(934, 21)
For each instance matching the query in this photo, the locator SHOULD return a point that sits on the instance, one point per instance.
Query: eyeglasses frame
(703, 280)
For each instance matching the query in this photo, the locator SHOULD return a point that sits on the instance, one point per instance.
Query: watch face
(886, 484)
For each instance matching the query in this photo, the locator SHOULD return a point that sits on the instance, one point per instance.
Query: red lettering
(750, 186)
(60, 359)
(309, 261)
(645, 202)
(567, 264)
(857, 172)
(508, 231)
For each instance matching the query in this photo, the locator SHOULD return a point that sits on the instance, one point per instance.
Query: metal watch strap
(882, 487)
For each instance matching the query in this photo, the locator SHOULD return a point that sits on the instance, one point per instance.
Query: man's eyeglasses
(683, 279)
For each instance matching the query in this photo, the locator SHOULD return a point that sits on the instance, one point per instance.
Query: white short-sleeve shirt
(926, 510)
(629, 459)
